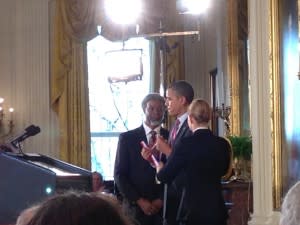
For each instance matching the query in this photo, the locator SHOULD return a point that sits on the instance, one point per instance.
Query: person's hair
(183, 88)
(152, 96)
(200, 110)
(79, 208)
(99, 175)
(290, 209)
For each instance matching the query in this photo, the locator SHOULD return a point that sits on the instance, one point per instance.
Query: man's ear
(183, 101)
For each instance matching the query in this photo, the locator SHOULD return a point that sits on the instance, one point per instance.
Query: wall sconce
(224, 112)
(6, 120)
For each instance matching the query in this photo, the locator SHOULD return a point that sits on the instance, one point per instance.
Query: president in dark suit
(134, 176)
(205, 159)
(178, 98)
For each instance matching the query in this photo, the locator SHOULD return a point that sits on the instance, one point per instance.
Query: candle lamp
(224, 112)
(6, 120)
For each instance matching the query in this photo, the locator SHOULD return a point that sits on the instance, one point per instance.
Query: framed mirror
(238, 66)
(285, 83)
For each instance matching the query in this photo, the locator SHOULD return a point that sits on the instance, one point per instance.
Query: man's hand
(157, 205)
(146, 153)
(146, 206)
(163, 146)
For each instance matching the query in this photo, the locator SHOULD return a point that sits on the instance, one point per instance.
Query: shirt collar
(148, 129)
(182, 118)
(200, 128)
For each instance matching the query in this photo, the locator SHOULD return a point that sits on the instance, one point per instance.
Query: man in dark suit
(135, 176)
(205, 159)
(178, 98)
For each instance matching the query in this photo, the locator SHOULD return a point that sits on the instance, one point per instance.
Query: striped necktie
(174, 131)
(152, 138)
(154, 151)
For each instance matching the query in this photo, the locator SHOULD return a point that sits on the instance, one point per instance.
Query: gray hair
(290, 209)
(152, 96)
(26, 215)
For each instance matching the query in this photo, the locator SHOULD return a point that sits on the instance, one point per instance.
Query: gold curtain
(174, 64)
(175, 44)
(175, 60)
(74, 25)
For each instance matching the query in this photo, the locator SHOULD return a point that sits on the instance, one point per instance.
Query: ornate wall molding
(274, 73)
(233, 68)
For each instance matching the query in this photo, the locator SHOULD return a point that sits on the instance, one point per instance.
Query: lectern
(26, 179)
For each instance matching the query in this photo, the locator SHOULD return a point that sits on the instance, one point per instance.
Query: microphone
(28, 132)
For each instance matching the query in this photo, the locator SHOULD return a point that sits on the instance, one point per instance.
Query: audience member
(74, 208)
(290, 209)
(179, 96)
(26, 215)
(205, 159)
(98, 183)
(135, 176)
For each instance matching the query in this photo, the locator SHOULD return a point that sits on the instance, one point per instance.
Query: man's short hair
(183, 88)
(95, 173)
(152, 96)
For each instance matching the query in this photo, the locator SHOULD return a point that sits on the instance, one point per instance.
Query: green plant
(241, 146)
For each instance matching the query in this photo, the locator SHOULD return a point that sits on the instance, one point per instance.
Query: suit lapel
(141, 134)
(182, 129)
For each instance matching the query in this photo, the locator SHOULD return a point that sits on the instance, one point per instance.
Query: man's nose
(157, 111)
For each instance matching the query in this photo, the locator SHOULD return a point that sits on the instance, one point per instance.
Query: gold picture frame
(284, 94)
(275, 90)
(238, 67)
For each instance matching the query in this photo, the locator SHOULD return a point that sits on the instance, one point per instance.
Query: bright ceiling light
(195, 7)
(123, 12)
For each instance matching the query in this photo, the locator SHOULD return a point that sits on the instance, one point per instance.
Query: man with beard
(134, 176)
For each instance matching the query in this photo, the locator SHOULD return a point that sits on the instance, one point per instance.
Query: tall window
(119, 77)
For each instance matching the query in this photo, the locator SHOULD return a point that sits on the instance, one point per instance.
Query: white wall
(24, 71)
(207, 53)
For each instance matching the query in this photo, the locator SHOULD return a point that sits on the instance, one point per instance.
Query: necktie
(155, 152)
(152, 138)
(174, 130)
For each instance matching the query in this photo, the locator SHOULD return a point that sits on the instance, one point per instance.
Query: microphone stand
(165, 222)
(20, 148)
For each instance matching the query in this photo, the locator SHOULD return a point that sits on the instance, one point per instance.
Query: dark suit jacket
(184, 131)
(134, 176)
(175, 188)
(205, 159)
(178, 183)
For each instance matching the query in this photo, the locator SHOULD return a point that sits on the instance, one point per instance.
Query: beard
(154, 123)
